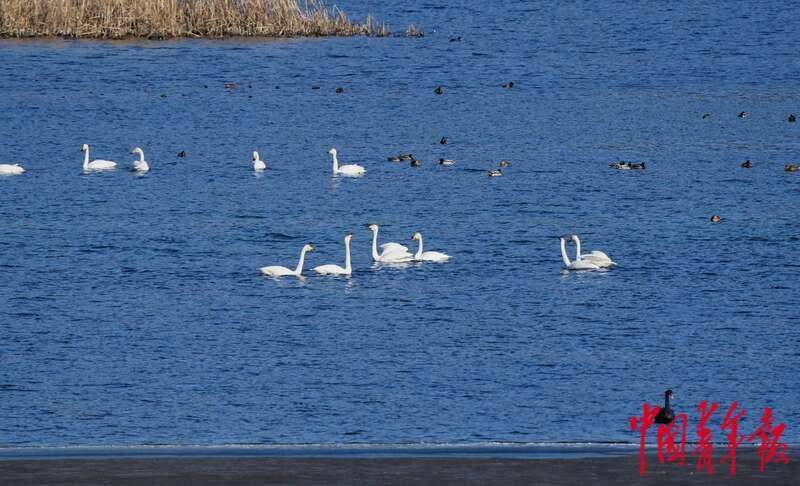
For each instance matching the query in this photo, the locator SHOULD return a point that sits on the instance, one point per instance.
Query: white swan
(597, 257)
(258, 164)
(390, 252)
(278, 271)
(140, 165)
(428, 256)
(351, 170)
(11, 169)
(95, 164)
(336, 269)
(578, 264)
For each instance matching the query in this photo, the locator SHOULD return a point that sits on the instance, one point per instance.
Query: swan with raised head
(140, 165)
(98, 164)
(665, 415)
(258, 164)
(278, 271)
(11, 169)
(336, 269)
(390, 252)
(597, 257)
(428, 256)
(578, 264)
(351, 170)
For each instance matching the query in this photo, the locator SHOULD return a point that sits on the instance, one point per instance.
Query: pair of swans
(141, 166)
(397, 253)
(586, 261)
(350, 170)
(11, 169)
(279, 271)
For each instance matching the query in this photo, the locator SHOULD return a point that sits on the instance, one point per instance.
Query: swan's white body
(350, 170)
(11, 169)
(140, 165)
(98, 164)
(258, 164)
(428, 256)
(390, 252)
(336, 269)
(578, 264)
(597, 257)
(278, 271)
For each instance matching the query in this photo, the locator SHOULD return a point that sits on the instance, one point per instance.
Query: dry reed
(164, 19)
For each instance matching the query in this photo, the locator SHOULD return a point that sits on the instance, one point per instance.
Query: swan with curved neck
(577, 264)
(336, 269)
(11, 169)
(258, 164)
(597, 257)
(278, 271)
(350, 170)
(98, 164)
(390, 252)
(140, 165)
(428, 256)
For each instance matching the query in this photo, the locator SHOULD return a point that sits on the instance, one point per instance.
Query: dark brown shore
(623, 471)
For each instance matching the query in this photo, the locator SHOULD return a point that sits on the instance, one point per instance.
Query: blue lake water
(132, 310)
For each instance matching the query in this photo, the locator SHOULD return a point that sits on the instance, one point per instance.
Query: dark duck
(666, 415)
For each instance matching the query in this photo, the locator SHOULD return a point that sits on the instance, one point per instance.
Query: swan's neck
(347, 266)
(375, 245)
(564, 252)
(141, 156)
(299, 268)
(419, 249)
(666, 402)
(86, 158)
(335, 163)
(577, 247)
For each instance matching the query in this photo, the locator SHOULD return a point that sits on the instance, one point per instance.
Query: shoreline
(533, 451)
(621, 470)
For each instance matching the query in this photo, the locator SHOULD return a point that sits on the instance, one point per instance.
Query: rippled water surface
(132, 310)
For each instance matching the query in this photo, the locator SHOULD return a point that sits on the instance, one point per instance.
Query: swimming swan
(351, 170)
(278, 271)
(428, 256)
(665, 415)
(390, 252)
(258, 164)
(597, 257)
(95, 164)
(11, 169)
(336, 269)
(140, 165)
(577, 264)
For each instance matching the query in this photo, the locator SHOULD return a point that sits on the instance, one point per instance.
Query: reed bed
(165, 19)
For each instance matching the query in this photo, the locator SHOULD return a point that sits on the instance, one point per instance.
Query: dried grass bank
(165, 19)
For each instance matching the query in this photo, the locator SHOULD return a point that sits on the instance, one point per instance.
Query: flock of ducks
(622, 165)
(391, 253)
(415, 162)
